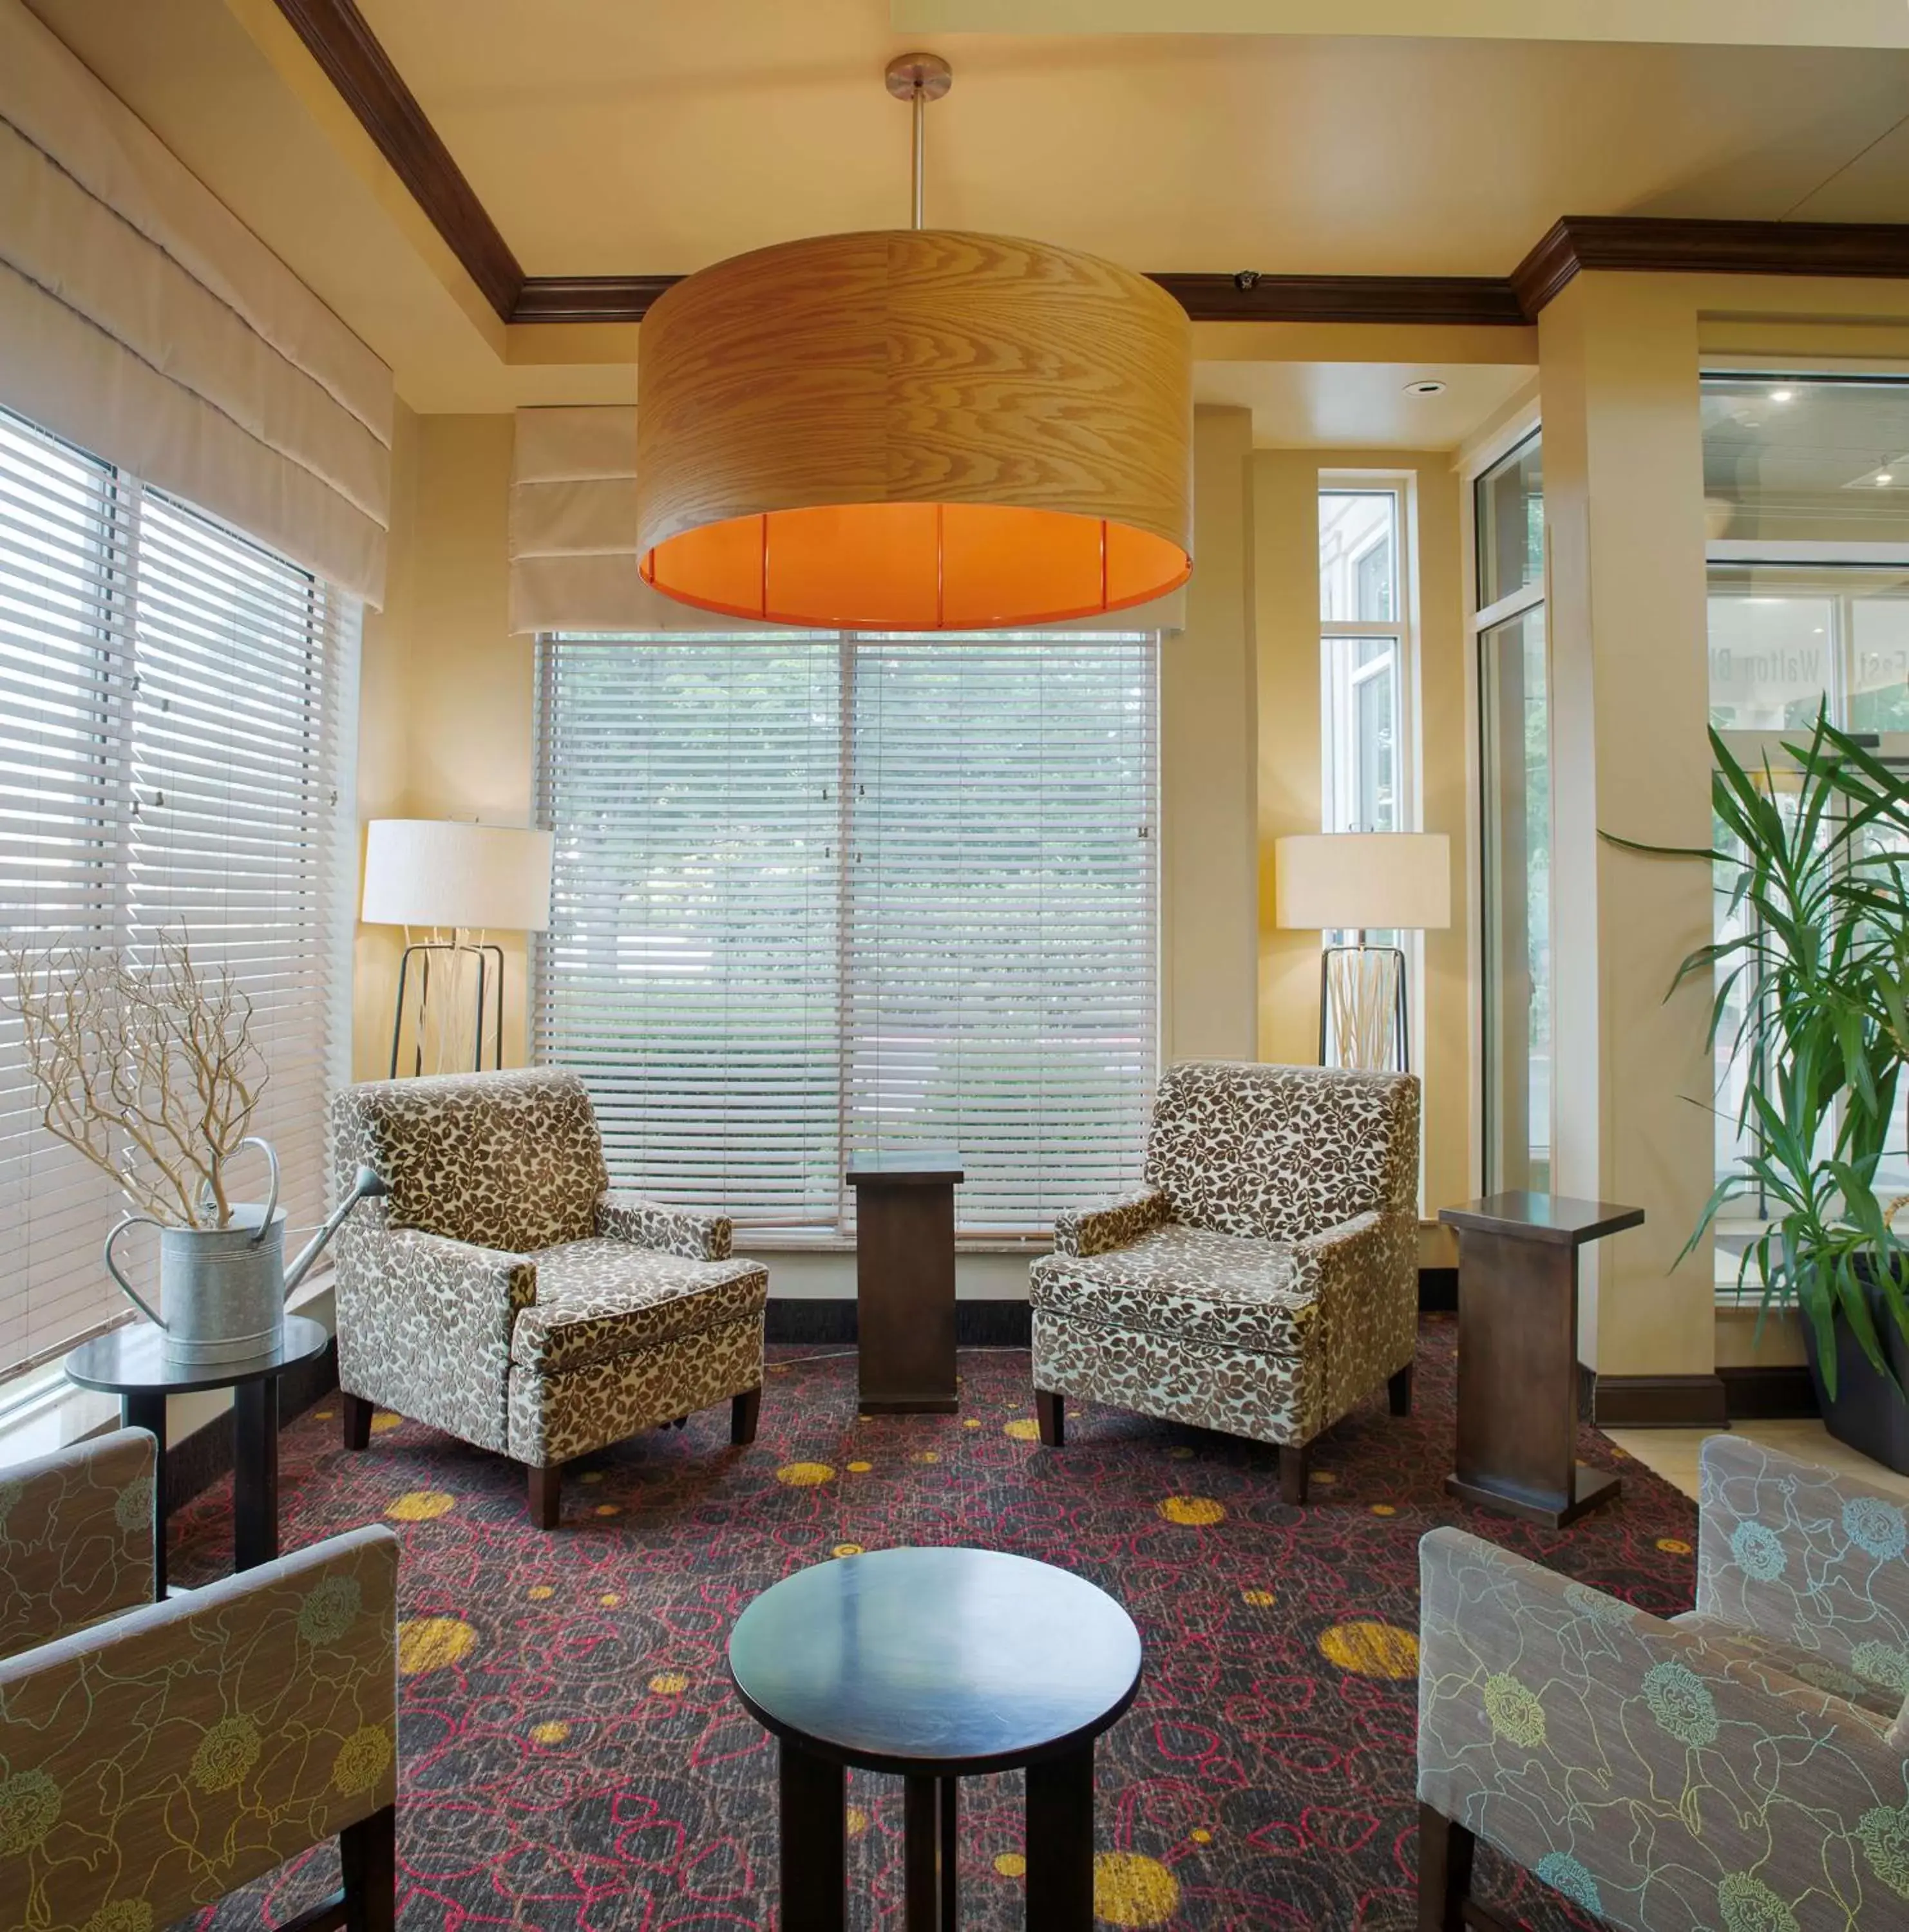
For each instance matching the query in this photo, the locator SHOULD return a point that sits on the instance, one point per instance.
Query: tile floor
(1672, 1452)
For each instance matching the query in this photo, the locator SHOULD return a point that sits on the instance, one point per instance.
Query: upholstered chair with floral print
(1264, 1280)
(503, 1291)
(155, 1756)
(1743, 1768)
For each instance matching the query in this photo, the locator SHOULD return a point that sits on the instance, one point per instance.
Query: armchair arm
(76, 1537)
(1364, 1274)
(424, 1327)
(1656, 1776)
(624, 1217)
(171, 1756)
(1108, 1225)
(1810, 1557)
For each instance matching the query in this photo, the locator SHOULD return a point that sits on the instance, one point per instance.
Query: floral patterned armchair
(1744, 1768)
(503, 1292)
(1265, 1280)
(154, 1757)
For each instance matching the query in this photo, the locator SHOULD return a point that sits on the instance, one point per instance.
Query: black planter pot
(1868, 1411)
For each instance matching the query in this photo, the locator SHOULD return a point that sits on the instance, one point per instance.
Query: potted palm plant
(1810, 1002)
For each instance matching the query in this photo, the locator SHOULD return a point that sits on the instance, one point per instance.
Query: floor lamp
(466, 881)
(1361, 883)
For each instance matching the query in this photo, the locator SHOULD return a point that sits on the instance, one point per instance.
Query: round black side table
(131, 1363)
(937, 1664)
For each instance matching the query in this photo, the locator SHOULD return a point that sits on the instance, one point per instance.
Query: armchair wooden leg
(1293, 1459)
(369, 1852)
(744, 1411)
(355, 1420)
(1398, 1391)
(1445, 1871)
(1051, 1412)
(546, 1493)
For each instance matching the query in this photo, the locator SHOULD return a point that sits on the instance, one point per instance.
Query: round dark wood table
(132, 1363)
(936, 1665)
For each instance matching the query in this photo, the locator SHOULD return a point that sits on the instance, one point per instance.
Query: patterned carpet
(574, 1759)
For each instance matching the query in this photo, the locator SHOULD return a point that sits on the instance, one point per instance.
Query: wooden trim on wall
(342, 43)
(1766, 1394)
(1657, 1402)
(344, 46)
(1876, 249)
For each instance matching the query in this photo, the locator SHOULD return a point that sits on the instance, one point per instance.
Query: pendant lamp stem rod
(919, 79)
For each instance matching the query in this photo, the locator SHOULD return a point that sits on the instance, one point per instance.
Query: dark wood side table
(936, 1664)
(131, 1363)
(905, 1279)
(1518, 1355)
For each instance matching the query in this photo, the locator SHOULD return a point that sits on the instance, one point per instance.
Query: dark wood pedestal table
(905, 1279)
(1518, 1355)
(132, 1363)
(936, 1665)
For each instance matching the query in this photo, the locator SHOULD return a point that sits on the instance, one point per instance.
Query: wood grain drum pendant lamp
(915, 430)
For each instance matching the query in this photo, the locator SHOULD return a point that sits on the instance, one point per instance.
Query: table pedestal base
(1591, 1488)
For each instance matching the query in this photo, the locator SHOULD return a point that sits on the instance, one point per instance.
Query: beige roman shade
(573, 554)
(142, 320)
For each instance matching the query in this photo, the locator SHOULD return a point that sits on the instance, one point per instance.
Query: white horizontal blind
(814, 895)
(169, 758)
(689, 969)
(1000, 993)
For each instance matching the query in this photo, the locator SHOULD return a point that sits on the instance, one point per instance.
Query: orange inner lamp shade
(916, 567)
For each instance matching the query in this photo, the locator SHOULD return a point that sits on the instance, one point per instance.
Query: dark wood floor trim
(1658, 1402)
(1768, 1395)
(1651, 244)
(357, 65)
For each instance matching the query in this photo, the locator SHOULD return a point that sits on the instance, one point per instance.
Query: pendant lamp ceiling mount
(915, 430)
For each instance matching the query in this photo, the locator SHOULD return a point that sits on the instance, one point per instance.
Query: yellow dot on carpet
(971, 1422)
(847, 1549)
(1023, 1429)
(1384, 1509)
(591, 1476)
(607, 1509)
(1180, 1453)
(1129, 1889)
(1194, 1511)
(804, 1475)
(420, 1506)
(1010, 1864)
(610, 1599)
(669, 1683)
(859, 1469)
(384, 1422)
(1201, 1835)
(1259, 1600)
(857, 1821)
(927, 1455)
(1325, 1478)
(1370, 1649)
(538, 1591)
(321, 1414)
(1674, 1545)
(429, 1643)
(553, 1733)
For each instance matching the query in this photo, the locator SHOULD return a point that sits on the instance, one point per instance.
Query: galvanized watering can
(224, 1289)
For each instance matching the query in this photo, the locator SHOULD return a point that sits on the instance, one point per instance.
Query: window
(1362, 653)
(1515, 738)
(818, 893)
(169, 694)
(1806, 483)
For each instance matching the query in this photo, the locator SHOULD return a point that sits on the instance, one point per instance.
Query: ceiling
(653, 137)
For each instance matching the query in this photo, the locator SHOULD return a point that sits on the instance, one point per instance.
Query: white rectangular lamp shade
(1369, 881)
(441, 872)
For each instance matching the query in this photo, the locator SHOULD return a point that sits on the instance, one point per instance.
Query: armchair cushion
(76, 1537)
(501, 1160)
(624, 1217)
(600, 1298)
(1279, 1153)
(1176, 1281)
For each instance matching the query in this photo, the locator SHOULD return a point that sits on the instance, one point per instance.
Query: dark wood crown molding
(342, 43)
(1639, 243)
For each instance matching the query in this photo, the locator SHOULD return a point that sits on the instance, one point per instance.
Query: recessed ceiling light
(1783, 395)
(1883, 480)
(1429, 385)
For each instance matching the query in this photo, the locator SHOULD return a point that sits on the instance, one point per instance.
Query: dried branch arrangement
(146, 1067)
